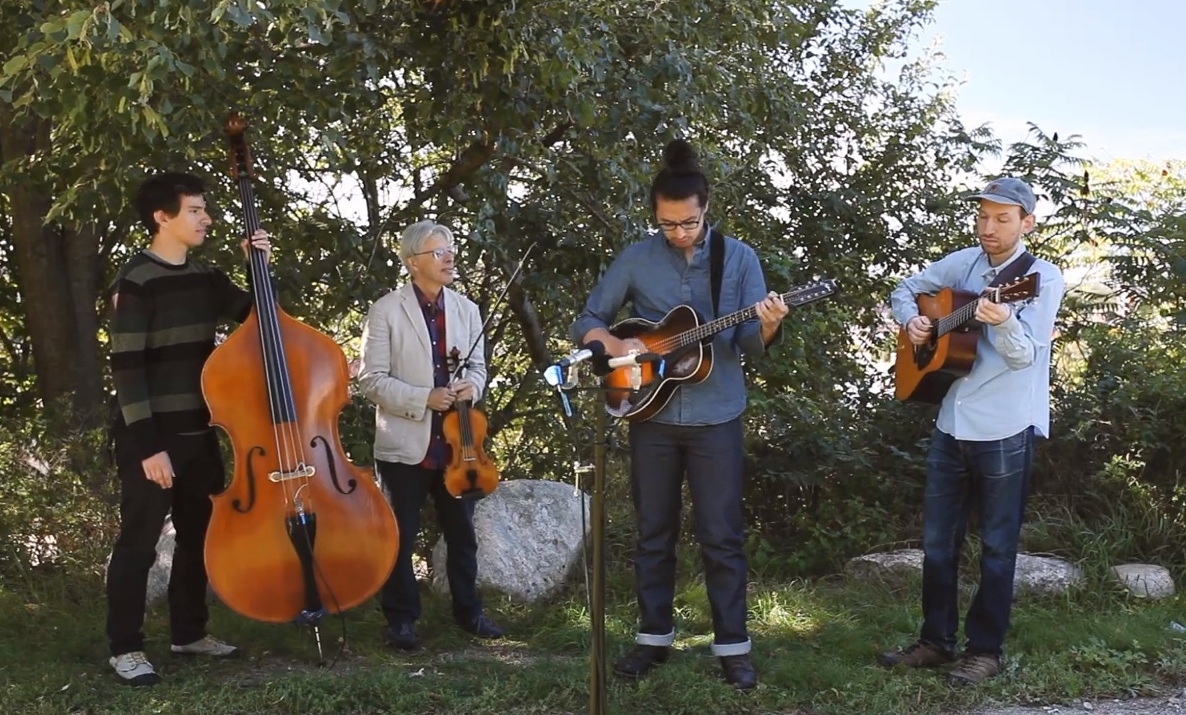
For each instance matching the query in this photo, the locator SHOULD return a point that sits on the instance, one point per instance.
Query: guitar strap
(716, 267)
(1014, 271)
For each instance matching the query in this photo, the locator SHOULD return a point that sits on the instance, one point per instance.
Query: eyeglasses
(439, 253)
(689, 225)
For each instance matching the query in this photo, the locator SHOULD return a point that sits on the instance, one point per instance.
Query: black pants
(712, 457)
(408, 487)
(198, 472)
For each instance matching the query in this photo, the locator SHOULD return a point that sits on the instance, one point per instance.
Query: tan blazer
(396, 369)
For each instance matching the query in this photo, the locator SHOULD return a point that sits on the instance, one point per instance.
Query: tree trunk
(56, 273)
(82, 264)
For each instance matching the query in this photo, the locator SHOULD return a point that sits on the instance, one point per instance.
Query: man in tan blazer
(406, 342)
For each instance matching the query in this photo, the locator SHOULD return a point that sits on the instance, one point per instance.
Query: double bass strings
(289, 452)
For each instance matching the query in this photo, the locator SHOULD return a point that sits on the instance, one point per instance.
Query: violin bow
(464, 362)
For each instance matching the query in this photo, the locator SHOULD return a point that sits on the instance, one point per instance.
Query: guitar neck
(960, 316)
(792, 298)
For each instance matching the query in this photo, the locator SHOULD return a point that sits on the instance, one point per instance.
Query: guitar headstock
(1020, 289)
(810, 292)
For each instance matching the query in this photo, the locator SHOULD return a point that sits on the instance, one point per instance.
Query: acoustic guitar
(639, 392)
(924, 373)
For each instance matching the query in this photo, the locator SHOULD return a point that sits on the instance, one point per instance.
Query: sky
(1111, 71)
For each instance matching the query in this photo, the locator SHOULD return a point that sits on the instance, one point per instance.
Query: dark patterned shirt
(434, 316)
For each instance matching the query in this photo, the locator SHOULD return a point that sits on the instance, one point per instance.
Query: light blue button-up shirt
(1008, 388)
(655, 277)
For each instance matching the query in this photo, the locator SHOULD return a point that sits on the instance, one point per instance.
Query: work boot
(918, 654)
(974, 668)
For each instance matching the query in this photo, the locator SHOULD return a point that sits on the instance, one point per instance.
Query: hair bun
(680, 157)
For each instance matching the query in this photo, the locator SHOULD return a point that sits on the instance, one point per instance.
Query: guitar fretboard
(963, 314)
(794, 298)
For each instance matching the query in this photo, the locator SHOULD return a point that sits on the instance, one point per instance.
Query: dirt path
(1175, 705)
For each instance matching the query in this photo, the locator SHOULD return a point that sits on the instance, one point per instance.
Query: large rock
(529, 539)
(892, 567)
(1035, 574)
(1145, 580)
(1045, 575)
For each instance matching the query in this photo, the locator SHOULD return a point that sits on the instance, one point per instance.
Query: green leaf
(75, 22)
(16, 64)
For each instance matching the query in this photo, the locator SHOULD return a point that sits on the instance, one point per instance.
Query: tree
(519, 124)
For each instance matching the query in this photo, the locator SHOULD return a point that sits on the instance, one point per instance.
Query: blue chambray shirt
(1008, 388)
(655, 277)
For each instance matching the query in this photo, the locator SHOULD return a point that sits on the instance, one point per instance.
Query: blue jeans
(712, 458)
(994, 477)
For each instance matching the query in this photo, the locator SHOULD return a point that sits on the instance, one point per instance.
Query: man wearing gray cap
(982, 446)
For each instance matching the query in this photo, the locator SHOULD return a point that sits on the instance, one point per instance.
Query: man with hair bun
(699, 432)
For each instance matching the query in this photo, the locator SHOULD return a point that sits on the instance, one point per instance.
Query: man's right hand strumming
(615, 347)
(158, 468)
(919, 329)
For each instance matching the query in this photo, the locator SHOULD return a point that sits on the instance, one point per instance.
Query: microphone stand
(555, 377)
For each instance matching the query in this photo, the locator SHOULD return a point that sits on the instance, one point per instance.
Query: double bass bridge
(304, 471)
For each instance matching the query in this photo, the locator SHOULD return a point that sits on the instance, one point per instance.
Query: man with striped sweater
(166, 308)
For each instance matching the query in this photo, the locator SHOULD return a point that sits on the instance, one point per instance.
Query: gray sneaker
(206, 646)
(134, 668)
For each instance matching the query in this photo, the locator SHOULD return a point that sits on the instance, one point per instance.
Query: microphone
(603, 365)
(632, 360)
(591, 349)
(563, 374)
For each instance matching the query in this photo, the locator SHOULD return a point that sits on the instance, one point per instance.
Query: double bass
(300, 531)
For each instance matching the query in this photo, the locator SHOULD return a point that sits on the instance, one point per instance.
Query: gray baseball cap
(1008, 190)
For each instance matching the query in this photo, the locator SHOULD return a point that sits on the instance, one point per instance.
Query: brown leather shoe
(918, 654)
(974, 668)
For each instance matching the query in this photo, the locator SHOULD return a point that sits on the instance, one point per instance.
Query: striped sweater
(162, 331)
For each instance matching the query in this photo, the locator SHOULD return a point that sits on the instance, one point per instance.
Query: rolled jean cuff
(663, 641)
(721, 650)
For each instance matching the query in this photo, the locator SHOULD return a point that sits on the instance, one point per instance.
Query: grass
(814, 649)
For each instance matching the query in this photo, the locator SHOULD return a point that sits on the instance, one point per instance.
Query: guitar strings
(700, 332)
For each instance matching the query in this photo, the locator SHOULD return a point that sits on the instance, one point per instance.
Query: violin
(299, 531)
(470, 474)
